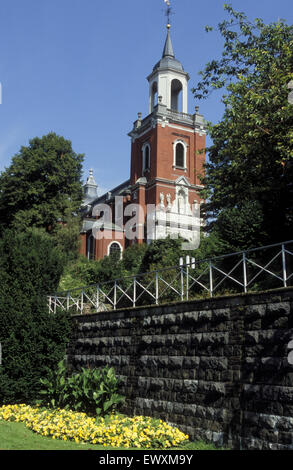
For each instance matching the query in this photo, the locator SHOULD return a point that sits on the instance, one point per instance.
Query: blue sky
(79, 68)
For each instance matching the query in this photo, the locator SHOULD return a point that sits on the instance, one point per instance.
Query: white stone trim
(192, 131)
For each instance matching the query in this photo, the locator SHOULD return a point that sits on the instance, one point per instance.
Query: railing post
(187, 282)
(182, 283)
(50, 301)
(244, 272)
(284, 266)
(115, 294)
(98, 298)
(81, 301)
(67, 300)
(134, 292)
(211, 280)
(55, 304)
(157, 287)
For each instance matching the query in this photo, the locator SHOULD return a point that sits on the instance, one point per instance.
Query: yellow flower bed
(114, 431)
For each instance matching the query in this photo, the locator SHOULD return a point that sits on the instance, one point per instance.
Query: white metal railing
(268, 267)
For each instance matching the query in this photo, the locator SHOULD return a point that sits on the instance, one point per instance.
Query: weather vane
(168, 12)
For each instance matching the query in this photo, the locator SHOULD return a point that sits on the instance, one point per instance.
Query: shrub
(31, 338)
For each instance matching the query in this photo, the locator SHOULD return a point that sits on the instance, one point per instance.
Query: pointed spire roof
(168, 49)
(168, 60)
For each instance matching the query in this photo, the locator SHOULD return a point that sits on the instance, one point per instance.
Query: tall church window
(180, 155)
(91, 246)
(146, 157)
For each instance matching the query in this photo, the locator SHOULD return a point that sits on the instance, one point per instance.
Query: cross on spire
(168, 12)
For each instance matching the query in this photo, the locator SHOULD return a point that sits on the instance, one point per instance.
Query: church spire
(168, 49)
(91, 187)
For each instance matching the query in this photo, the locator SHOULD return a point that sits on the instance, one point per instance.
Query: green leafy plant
(91, 391)
(55, 387)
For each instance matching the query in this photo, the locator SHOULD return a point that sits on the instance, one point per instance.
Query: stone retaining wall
(216, 368)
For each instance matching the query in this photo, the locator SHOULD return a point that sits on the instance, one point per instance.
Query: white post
(134, 291)
(187, 282)
(284, 266)
(211, 280)
(98, 298)
(81, 302)
(115, 294)
(182, 283)
(244, 272)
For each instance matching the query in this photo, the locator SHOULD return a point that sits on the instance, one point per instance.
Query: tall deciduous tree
(42, 186)
(250, 171)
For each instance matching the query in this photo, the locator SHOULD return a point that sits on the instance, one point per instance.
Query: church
(161, 198)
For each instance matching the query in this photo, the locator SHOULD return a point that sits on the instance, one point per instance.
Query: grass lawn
(16, 436)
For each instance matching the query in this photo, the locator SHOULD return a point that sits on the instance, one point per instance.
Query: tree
(250, 169)
(42, 186)
(162, 253)
(32, 340)
(67, 235)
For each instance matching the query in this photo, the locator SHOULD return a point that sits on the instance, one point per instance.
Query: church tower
(167, 162)
(167, 152)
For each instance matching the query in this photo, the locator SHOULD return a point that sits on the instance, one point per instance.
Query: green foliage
(30, 268)
(137, 259)
(67, 236)
(162, 254)
(211, 246)
(83, 272)
(42, 188)
(251, 159)
(240, 226)
(132, 258)
(91, 391)
(54, 389)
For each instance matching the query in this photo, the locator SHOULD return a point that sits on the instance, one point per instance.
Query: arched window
(115, 250)
(176, 95)
(180, 155)
(154, 96)
(91, 246)
(146, 157)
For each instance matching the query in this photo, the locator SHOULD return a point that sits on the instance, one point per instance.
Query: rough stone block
(176, 362)
(278, 309)
(268, 421)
